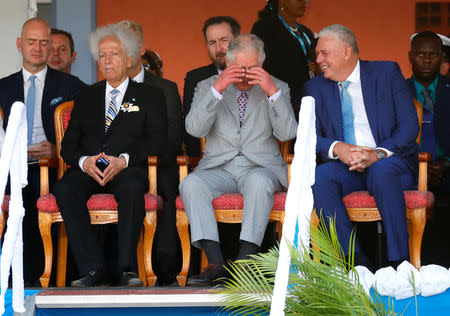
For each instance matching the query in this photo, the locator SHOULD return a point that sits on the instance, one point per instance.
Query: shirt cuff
(217, 95)
(274, 96)
(330, 151)
(81, 162)
(388, 152)
(127, 158)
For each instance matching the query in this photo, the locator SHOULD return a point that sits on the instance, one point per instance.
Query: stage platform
(167, 301)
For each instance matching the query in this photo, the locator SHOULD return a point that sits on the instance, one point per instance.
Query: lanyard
(298, 37)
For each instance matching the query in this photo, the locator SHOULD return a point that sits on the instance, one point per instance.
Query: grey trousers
(255, 183)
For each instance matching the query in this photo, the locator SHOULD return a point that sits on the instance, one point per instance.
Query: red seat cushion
(414, 199)
(235, 201)
(47, 203)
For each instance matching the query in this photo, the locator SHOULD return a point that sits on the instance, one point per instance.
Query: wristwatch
(380, 154)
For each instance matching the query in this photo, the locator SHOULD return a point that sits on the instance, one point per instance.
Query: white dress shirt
(119, 98)
(140, 76)
(38, 134)
(363, 133)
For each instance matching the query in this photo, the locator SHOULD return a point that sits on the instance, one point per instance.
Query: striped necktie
(112, 109)
(348, 126)
(31, 96)
(242, 101)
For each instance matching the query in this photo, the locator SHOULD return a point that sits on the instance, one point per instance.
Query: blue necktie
(348, 126)
(31, 96)
(112, 109)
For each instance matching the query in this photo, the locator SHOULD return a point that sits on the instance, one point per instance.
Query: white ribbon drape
(299, 200)
(13, 161)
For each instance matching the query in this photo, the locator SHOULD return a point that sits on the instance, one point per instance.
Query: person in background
(152, 63)
(218, 31)
(287, 44)
(166, 234)
(63, 53)
(432, 90)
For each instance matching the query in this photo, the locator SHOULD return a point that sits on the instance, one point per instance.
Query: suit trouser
(72, 193)
(385, 180)
(255, 183)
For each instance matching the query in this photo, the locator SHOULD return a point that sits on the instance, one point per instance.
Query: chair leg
(183, 233)
(62, 256)
(149, 235)
(314, 223)
(203, 260)
(45, 223)
(140, 258)
(416, 227)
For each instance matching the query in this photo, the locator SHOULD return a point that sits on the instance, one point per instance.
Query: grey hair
(129, 41)
(342, 33)
(246, 42)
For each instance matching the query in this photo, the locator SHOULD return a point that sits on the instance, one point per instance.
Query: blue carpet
(8, 300)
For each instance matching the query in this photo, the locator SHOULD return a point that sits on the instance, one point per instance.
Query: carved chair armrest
(152, 162)
(44, 164)
(424, 159)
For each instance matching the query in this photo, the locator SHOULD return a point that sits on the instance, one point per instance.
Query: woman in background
(287, 44)
(152, 63)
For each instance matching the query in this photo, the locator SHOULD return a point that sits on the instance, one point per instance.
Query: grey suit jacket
(264, 123)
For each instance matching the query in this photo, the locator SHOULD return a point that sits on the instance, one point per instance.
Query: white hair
(129, 41)
(245, 42)
(342, 33)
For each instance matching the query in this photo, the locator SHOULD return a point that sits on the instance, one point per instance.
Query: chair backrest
(62, 117)
(419, 110)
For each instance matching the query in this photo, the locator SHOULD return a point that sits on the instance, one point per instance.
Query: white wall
(13, 13)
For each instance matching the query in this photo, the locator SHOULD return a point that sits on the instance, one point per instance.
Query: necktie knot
(344, 84)
(427, 100)
(114, 93)
(32, 78)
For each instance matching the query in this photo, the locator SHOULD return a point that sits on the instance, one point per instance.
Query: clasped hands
(251, 76)
(116, 165)
(358, 158)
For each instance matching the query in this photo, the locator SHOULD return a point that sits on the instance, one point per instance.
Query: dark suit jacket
(441, 115)
(59, 87)
(138, 134)
(285, 58)
(173, 108)
(389, 107)
(193, 77)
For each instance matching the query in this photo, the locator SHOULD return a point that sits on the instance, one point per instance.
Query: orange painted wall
(173, 28)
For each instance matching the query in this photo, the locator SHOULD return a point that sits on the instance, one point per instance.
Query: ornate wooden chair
(102, 209)
(361, 206)
(227, 209)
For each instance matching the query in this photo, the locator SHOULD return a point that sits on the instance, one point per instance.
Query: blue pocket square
(55, 101)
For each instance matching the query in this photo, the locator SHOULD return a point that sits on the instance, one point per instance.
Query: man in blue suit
(366, 129)
(433, 92)
(48, 88)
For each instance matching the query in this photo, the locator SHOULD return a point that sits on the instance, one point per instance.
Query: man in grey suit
(241, 112)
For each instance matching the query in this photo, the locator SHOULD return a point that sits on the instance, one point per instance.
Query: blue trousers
(385, 180)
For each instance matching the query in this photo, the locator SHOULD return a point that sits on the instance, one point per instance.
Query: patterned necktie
(242, 101)
(427, 101)
(31, 96)
(112, 109)
(347, 114)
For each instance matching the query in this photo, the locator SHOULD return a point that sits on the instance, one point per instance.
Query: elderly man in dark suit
(42, 89)
(433, 92)
(166, 257)
(366, 131)
(218, 32)
(115, 125)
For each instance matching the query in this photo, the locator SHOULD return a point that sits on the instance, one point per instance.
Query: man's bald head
(34, 44)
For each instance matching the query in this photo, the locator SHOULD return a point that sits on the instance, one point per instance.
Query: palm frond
(319, 286)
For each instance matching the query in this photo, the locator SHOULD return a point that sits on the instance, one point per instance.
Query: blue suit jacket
(441, 115)
(389, 107)
(59, 87)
